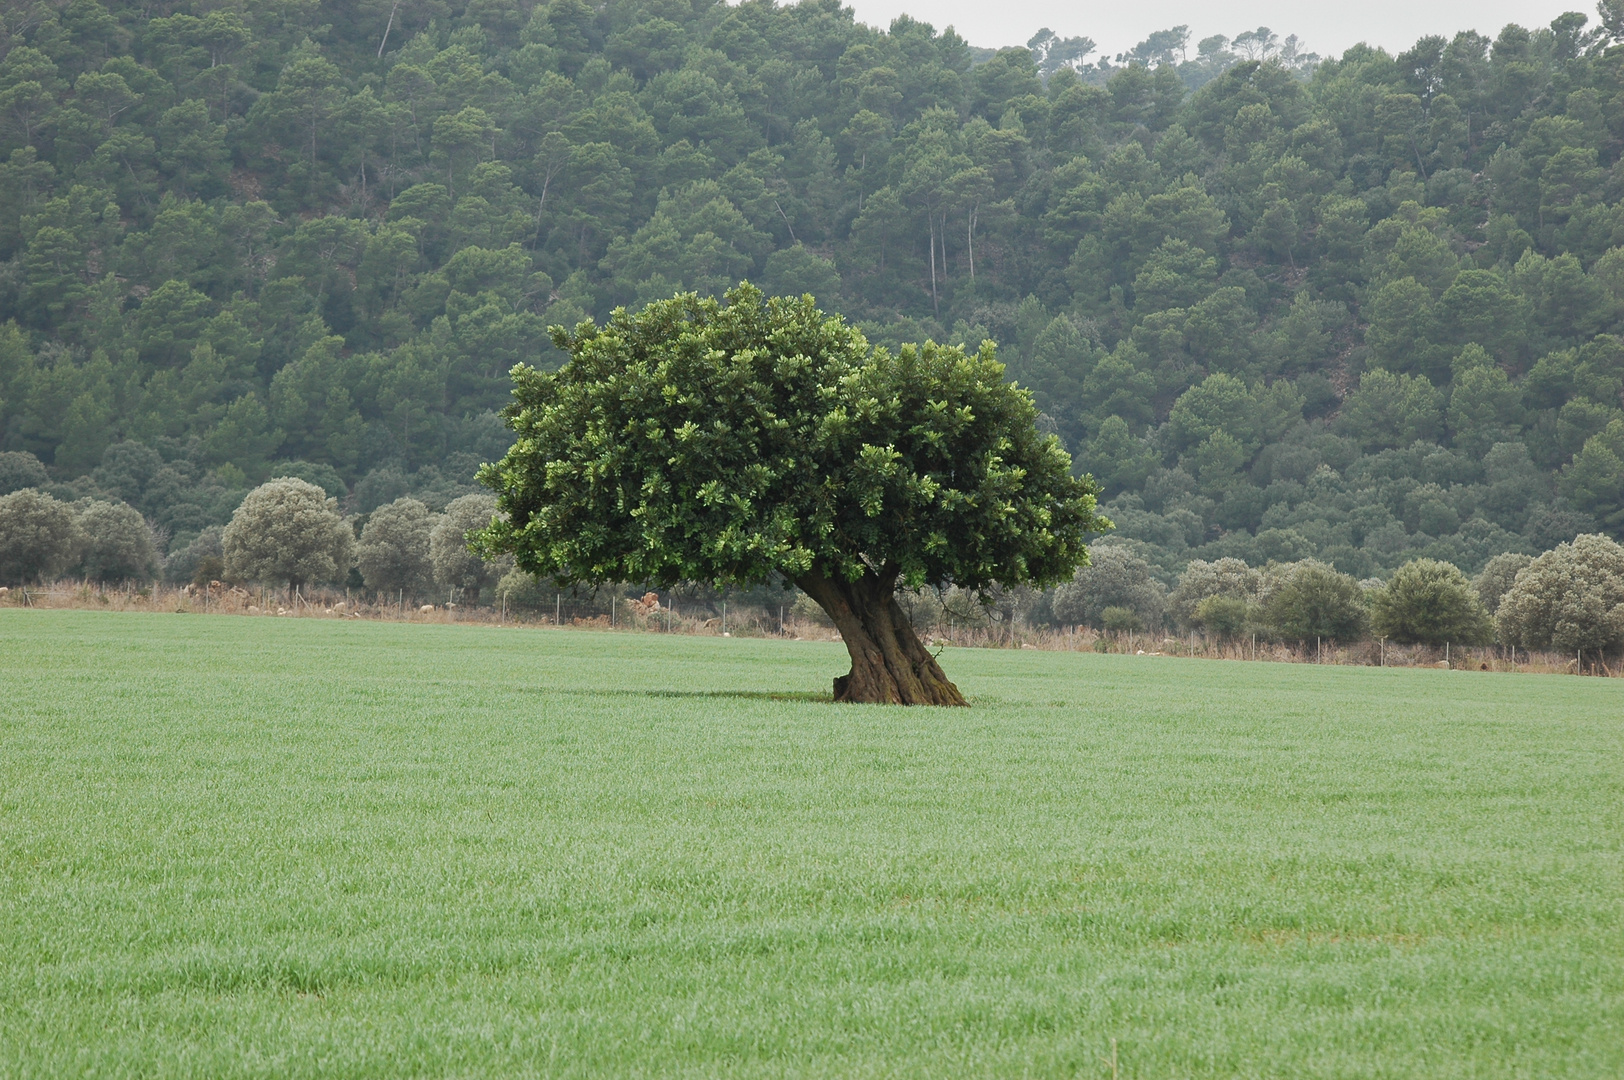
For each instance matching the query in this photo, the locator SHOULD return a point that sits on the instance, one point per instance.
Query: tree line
(1569, 599)
(289, 533)
(286, 532)
(1361, 310)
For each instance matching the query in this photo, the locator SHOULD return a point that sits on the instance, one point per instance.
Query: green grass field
(276, 847)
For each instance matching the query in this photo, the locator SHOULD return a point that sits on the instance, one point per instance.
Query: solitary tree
(455, 565)
(724, 443)
(1430, 603)
(287, 530)
(394, 550)
(37, 536)
(117, 543)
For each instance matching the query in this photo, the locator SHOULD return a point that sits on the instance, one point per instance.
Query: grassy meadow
(288, 848)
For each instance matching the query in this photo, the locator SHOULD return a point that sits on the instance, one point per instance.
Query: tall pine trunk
(934, 303)
(970, 241)
(889, 664)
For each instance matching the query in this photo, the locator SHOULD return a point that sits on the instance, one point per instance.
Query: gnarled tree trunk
(889, 664)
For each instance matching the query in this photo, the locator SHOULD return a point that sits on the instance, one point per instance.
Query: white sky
(1325, 28)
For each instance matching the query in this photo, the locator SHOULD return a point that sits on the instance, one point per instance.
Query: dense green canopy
(697, 441)
(702, 441)
(1432, 603)
(1360, 309)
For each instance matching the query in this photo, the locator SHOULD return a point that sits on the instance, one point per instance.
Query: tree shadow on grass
(818, 696)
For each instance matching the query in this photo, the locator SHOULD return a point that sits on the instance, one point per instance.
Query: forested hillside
(1359, 309)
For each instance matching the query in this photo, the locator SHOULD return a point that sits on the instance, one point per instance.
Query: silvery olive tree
(1114, 578)
(1497, 577)
(1570, 598)
(1202, 581)
(116, 543)
(288, 530)
(1309, 599)
(393, 554)
(456, 565)
(38, 539)
(19, 469)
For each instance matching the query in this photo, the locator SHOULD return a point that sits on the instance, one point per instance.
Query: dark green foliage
(1312, 600)
(697, 441)
(199, 560)
(323, 234)
(323, 476)
(1225, 616)
(708, 442)
(1430, 603)
(1119, 620)
(1594, 480)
